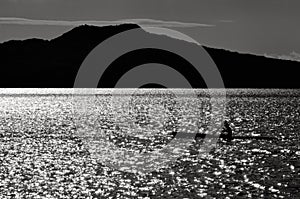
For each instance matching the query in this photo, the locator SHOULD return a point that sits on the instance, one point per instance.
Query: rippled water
(52, 144)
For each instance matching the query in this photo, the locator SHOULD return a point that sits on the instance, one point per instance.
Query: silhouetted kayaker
(226, 129)
(226, 133)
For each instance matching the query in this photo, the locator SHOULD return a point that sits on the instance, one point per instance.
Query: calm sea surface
(61, 144)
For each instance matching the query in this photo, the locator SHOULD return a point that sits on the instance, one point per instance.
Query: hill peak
(55, 63)
(94, 32)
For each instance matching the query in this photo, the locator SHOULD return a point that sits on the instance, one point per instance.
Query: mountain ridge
(62, 56)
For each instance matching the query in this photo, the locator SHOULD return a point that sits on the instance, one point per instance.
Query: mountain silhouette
(54, 64)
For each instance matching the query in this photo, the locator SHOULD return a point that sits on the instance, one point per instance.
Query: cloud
(34, 1)
(160, 23)
(226, 21)
(141, 22)
(293, 56)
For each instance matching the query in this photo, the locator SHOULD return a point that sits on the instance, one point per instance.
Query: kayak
(223, 136)
(254, 137)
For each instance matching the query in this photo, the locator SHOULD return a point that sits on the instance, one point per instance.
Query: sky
(264, 27)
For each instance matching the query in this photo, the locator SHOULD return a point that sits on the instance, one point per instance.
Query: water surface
(43, 155)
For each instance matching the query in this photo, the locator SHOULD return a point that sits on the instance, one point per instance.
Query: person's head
(226, 123)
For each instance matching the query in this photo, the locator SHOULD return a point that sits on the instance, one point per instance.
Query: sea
(130, 143)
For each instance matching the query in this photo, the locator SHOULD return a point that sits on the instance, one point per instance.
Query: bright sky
(254, 26)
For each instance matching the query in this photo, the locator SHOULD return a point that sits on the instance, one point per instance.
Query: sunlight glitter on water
(41, 154)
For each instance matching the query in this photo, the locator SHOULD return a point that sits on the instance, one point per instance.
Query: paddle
(245, 137)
